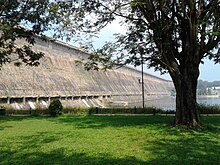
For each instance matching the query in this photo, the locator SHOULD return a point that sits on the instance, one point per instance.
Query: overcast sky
(208, 71)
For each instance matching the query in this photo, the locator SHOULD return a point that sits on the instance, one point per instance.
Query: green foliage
(23, 20)
(100, 110)
(77, 110)
(208, 109)
(154, 30)
(135, 110)
(2, 110)
(55, 108)
(203, 87)
(124, 140)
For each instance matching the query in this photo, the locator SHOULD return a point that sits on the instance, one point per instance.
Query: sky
(208, 71)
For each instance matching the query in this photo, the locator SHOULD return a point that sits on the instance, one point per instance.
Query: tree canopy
(23, 19)
(153, 29)
(169, 35)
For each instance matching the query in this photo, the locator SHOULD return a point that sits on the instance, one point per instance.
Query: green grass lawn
(107, 140)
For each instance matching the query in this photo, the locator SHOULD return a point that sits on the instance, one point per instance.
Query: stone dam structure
(59, 77)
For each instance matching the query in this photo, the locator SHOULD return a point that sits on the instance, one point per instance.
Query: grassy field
(107, 140)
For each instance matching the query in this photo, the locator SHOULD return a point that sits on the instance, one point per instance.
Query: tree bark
(186, 104)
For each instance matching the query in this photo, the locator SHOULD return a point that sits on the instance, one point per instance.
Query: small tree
(55, 108)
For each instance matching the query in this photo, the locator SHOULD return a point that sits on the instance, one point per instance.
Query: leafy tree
(202, 87)
(172, 36)
(23, 20)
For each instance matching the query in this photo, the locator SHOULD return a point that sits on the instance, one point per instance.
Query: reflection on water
(209, 101)
(169, 103)
(166, 103)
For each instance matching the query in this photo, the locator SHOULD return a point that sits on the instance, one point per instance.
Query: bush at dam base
(2, 111)
(55, 108)
(203, 109)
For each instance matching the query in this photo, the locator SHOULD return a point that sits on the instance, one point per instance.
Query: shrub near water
(208, 109)
(55, 108)
(127, 110)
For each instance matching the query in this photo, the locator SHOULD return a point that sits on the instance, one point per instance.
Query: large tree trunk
(186, 104)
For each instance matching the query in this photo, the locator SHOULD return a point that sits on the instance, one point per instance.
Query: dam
(59, 77)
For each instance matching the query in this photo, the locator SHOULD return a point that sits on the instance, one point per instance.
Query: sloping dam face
(59, 77)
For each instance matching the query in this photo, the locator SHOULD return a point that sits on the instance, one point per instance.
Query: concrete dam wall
(59, 77)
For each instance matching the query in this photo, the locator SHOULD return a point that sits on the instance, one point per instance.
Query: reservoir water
(168, 103)
(209, 101)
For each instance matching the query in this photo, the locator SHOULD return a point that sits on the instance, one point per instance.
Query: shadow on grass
(95, 121)
(4, 119)
(175, 145)
(187, 147)
(113, 121)
(11, 118)
(19, 118)
(186, 151)
(59, 157)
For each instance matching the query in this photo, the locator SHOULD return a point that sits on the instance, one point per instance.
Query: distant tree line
(202, 88)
